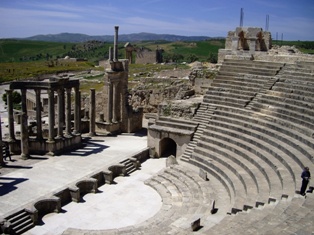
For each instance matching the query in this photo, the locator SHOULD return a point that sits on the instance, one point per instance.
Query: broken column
(68, 113)
(60, 112)
(38, 114)
(10, 115)
(115, 53)
(24, 128)
(2, 163)
(92, 111)
(77, 111)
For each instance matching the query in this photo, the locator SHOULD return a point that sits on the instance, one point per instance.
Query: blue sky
(22, 18)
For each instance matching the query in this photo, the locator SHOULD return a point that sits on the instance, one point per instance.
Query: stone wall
(144, 56)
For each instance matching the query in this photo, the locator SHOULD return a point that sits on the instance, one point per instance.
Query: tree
(16, 99)
(191, 58)
(213, 58)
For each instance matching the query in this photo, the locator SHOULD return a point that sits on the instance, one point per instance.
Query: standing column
(77, 111)
(109, 107)
(110, 53)
(1, 152)
(24, 128)
(114, 105)
(51, 115)
(68, 113)
(38, 115)
(92, 112)
(60, 112)
(10, 115)
(115, 54)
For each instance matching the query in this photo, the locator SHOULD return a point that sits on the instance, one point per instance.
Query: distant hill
(76, 37)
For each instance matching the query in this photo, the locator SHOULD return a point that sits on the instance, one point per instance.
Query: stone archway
(242, 44)
(167, 147)
(260, 42)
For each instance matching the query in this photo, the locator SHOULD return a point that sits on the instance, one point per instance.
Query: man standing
(306, 175)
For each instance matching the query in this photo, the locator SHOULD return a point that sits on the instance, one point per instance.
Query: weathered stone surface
(171, 160)
(203, 174)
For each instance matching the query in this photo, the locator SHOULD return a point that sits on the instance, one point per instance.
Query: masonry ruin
(62, 130)
(120, 116)
(246, 40)
(36, 138)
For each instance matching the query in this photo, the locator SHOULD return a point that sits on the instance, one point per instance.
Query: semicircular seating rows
(255, 135)
(257, 141)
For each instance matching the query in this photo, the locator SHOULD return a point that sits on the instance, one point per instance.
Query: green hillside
(26, 51)
(22, 59)
(186, 51)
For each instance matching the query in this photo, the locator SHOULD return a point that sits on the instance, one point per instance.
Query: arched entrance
(242, 44)
(167, 147)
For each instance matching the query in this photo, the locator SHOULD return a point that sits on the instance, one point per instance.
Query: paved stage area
(125, 203)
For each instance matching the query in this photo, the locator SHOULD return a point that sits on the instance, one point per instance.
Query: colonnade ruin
(67, 121)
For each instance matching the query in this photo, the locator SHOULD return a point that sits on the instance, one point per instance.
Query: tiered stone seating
(201, 117)
(257, 142)
(255, 134)
(238, 82)
(293, 216)
(185, 197)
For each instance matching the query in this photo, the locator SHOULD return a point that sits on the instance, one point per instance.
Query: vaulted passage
(167, 147)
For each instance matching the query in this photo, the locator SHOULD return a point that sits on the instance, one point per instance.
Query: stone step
(176, 183)
(301, 122)
(289, 95)
(243, 200)
(20, 221)
(244, 70)
(268, 123)
(294, 86)
(129, 166)
(222, 101)
(255, 178)
(268, 169)
(255, 145)
(237, 82)
(176, 124)
(256, 63)
(244, 78)
(284, 153)
(231, 86)
(293, 110)
(227, 91)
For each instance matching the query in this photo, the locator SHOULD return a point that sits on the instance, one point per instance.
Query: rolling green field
(21, 59)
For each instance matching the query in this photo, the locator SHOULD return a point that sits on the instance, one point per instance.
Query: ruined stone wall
(283, 55)
(145, 57)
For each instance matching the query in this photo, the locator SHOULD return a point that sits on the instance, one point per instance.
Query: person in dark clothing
(306, 175)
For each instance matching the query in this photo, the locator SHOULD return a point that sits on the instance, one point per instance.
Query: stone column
(38, 114)
(114, 102)
(1, 152)
(60, 112)
(110, 53)
(109, 111)
(68, 113)
(51, 115)
(77, 111)
(115, 53)
(24, 128)
(92, 112)
(10, 115)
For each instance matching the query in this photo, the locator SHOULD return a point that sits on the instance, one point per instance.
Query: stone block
(171, 160)
(203, 175)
